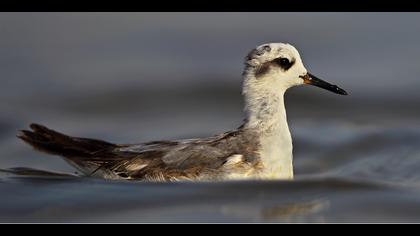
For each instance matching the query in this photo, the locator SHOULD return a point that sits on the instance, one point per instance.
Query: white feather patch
(135, 167)
(234, 159)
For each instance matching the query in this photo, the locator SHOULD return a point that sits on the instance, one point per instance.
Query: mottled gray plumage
(193, 159)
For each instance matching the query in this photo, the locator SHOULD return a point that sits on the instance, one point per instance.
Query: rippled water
(346, 171)
(141, 77)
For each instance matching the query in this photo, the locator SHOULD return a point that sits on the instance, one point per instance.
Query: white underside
(277, 157)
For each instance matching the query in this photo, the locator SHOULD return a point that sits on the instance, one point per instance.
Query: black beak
(313, 80)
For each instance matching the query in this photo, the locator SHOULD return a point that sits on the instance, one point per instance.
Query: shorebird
(261, 148)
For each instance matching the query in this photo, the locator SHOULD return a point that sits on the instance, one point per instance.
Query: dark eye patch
(283, 63)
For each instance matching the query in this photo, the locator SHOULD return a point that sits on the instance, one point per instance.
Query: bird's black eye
(284, 63)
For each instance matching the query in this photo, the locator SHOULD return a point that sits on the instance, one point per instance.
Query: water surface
(138, 77)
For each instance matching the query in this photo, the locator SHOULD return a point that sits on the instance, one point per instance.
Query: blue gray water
(135, 77)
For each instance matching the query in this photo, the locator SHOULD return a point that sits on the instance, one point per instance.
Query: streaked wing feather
(184, 159)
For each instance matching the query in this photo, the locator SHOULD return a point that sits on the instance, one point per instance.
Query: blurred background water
(134, 77)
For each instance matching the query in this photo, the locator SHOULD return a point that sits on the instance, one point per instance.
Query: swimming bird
(261, 148)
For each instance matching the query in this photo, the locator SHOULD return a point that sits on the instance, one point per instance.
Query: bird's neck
(266, 116)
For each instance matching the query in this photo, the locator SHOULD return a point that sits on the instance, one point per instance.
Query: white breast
(276, 155)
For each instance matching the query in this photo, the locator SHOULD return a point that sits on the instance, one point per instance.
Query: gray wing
(208, 158)
(161, 160)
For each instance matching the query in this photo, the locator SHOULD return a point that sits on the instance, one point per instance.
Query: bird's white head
(275, 65)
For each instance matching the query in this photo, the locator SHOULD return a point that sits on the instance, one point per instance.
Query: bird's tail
(46, 140)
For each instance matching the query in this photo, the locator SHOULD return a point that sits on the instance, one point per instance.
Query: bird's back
(219, 157)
